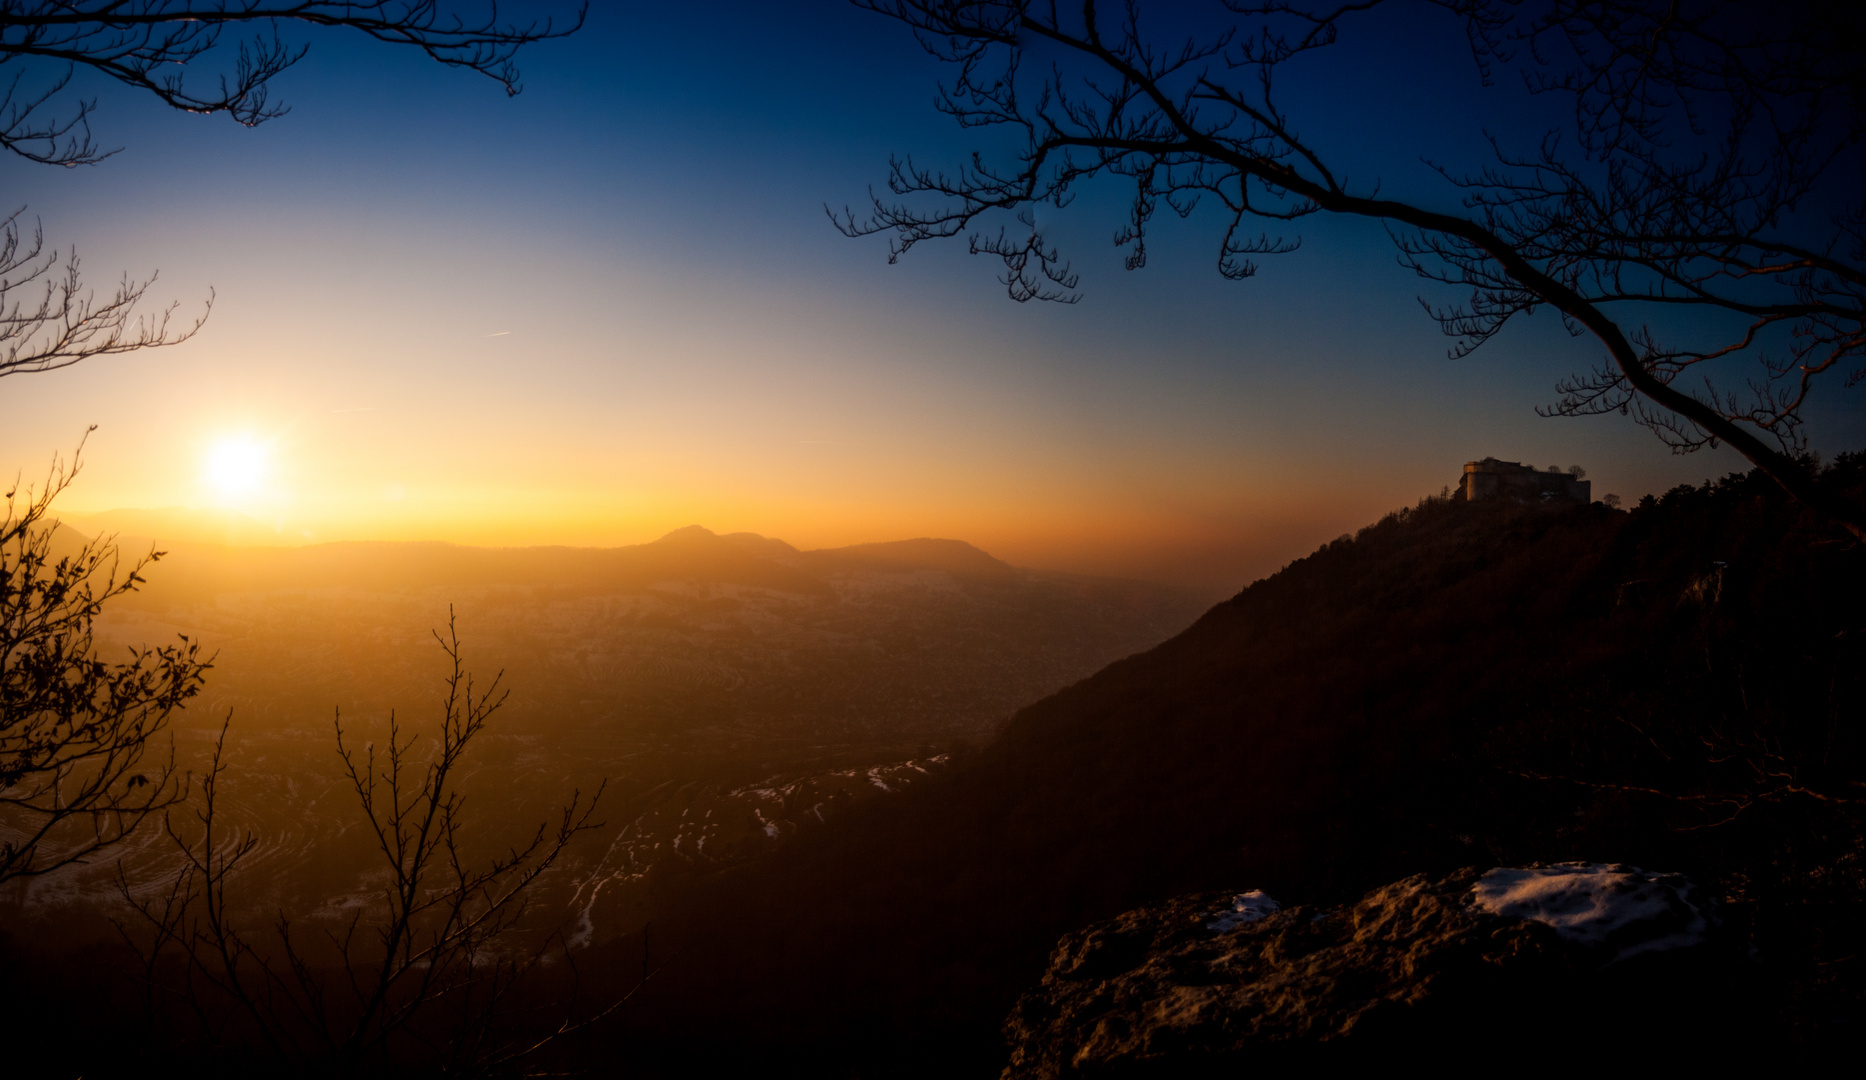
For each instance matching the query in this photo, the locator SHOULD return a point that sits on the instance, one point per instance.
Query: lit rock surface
(1629, 910)
(1245, 908)
(1586, 955)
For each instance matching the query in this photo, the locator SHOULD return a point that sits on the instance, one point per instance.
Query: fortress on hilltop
(1493, 479)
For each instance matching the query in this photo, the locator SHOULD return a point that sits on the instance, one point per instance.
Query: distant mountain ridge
(956, 557)
(732, 691)
(692, 553)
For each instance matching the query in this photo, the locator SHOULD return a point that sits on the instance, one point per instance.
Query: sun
(237, 467)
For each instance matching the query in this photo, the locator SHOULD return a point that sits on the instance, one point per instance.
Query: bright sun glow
(236, 467)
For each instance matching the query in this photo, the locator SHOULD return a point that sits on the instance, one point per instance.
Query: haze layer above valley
(732, 690)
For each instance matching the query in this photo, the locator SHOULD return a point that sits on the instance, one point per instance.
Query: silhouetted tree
(1711, 167)
(80, 767)
(75, 731)
(174, 51)
(424, 978)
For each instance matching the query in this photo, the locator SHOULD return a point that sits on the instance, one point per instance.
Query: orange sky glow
(418, 334)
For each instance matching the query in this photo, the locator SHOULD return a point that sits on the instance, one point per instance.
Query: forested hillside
(1678, 686)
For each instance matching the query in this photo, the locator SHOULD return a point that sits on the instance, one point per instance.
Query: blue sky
(613, 305)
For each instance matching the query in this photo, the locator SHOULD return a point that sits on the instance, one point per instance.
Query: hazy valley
(730, 690)
(856, 797)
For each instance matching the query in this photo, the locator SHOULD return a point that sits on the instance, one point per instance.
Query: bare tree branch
(174, 51)
(58, 322)
(164, 48)
(1711, 143)
(440, 941)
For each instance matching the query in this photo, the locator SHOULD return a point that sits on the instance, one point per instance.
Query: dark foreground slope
(1678, 687)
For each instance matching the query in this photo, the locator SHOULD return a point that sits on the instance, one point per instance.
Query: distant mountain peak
(700, 538)
(689, 532)
(955, 557)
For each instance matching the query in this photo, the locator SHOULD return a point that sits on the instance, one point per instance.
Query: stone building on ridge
(1493, 479)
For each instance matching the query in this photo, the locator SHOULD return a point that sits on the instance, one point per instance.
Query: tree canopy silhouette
(1710, 168)
(79, 768)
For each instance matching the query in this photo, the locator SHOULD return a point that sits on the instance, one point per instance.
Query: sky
(613, 306)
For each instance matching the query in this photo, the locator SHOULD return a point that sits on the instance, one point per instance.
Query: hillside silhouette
(1460, 684)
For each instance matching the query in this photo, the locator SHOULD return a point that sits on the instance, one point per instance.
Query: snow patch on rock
(1245, 908)
(1599, 904)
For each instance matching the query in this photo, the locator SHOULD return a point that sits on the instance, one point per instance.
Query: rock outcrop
(1568, 957)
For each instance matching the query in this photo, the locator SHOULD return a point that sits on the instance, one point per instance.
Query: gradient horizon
(612, 307)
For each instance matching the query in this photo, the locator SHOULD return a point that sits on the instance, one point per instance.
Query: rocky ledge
(1550, 959)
